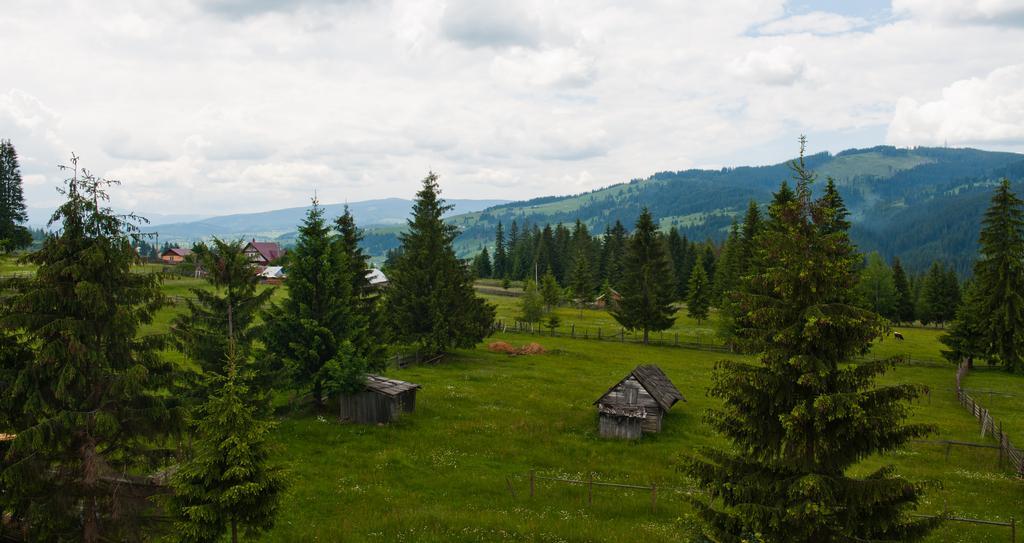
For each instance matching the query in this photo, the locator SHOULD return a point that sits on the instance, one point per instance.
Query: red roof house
(262, 253)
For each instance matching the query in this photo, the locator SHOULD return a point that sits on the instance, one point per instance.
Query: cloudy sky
(219, 106)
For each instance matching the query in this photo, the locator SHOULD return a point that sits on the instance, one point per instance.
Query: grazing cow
(898, 335)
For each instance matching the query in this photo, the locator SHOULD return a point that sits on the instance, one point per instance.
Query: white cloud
(782, 65)
(975, 111)
(565, 67)
(815, 22)
(1009, 12)
(224, 106)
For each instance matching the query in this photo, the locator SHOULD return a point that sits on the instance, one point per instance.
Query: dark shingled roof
(388, 387)
(655, 382)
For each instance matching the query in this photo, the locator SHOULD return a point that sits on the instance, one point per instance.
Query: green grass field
(483, 420)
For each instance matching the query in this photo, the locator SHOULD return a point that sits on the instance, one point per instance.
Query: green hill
(920, 204)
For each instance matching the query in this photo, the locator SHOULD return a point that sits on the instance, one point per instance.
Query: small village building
(262, 253)
(175, 255)
(376, 278)
(382, 401)
(602, 300)
(273, 275)
(637, 403)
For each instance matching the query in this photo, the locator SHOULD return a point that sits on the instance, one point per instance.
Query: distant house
(262, 253)
(382, 401)
(602, 301)
(175, 255)
(637, 403)
(377, 278)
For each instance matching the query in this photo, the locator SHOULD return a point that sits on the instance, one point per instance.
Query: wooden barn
(637, 403)
(382, 401)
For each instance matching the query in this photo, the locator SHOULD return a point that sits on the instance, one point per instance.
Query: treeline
(91, 405)
(585, 263)
(585, 266)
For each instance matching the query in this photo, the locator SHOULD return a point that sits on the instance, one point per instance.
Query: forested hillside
(919, 204)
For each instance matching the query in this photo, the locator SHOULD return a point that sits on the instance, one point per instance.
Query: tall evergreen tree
(431, 301)
(751, 226)
(229, 483)
(91, 401)
(368, 342)
(225, 314)
(727, 272)
(904, 295)
(802, 417)
(967, 338)
(13, 234)
(482, 264)
(940, 295)
(677, 253)
(698, 300)
(500, 253)
(647, 285)
(1000, 276)
(580, 280)
(550, 291)
(317, 320)
(876, 287)
(613, 254)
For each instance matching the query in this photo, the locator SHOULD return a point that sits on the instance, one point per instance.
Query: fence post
(598, 332)
(654, 497)
(532, 478)
(573, 330)
(590, 489)
(1013, 530)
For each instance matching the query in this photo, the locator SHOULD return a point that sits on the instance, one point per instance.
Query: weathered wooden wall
(618, 396)
(620, 427)
(369, 408)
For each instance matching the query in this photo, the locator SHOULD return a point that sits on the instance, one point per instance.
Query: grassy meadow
(457, 469)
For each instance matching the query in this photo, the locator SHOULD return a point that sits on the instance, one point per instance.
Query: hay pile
(528, 349)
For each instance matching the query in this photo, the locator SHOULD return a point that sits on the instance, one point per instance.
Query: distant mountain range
(920, 204)
(281, 224)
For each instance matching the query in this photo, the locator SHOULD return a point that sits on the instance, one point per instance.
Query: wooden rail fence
(989, 425)
(603, 334)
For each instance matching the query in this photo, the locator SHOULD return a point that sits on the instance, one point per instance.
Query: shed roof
(272, 271)
(655, 382)
(376, 277)
(389, 387)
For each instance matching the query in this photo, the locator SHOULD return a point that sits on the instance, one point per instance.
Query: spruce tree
(367, 341)
(904, 295)
(431, 301)
(318, 317)
(227, 313)
(677, 254)
(751, 226)
(580, 281)
(999, 273)
(500, 253)
(967, 336)
(647, 285)
(876, 287)
(727, 272)
(698, 300)
(90, 403)
(482, 264)
(13, 234)
(228, 484)
(803, 416)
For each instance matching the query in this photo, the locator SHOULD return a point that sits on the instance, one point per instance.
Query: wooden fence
(989, 425)
(605, 334)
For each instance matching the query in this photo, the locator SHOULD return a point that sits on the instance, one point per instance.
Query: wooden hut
(382, 401)
(637, 403)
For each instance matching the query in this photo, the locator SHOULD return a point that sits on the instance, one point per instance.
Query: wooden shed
(637, 403)
(382, 401)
